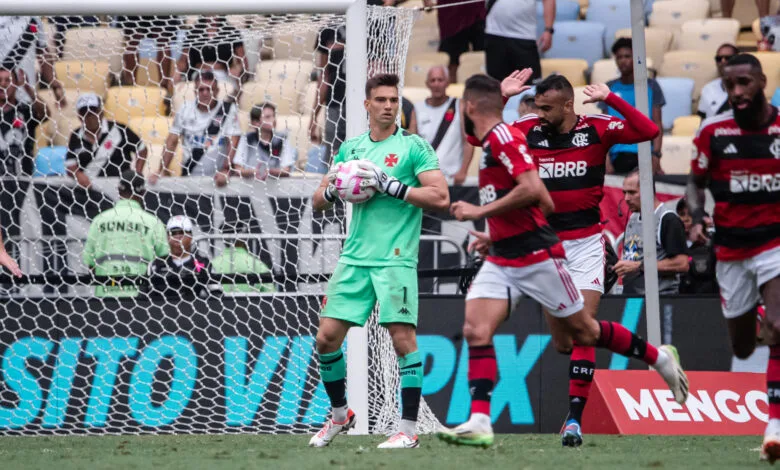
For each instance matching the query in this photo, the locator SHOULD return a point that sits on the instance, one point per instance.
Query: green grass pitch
(525, 451)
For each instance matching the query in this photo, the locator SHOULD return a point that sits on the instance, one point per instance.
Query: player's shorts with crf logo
(353, 292)
(547, 282)
(586, 262)
(740, 281)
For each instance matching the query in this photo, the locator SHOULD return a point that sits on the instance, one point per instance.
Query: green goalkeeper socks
(411, 387)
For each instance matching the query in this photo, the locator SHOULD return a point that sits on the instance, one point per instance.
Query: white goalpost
(240, 358)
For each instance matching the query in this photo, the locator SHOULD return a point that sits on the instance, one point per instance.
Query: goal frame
(356, 70)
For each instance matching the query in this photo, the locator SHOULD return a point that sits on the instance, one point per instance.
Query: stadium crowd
(178, 96)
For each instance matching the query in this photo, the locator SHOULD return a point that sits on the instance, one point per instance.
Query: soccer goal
(222, 341)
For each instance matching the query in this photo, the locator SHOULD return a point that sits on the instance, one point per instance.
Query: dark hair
(205, 76)
(555, 82)
(730, 46)
(382, 79)
(746, 59)
(486, 90)
(257, 110)
(682, 204)
(622, 43)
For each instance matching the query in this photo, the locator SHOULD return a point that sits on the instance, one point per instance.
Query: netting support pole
(652, 308)
(357, 70)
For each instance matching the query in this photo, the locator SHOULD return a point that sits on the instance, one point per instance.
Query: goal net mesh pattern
(224, 343)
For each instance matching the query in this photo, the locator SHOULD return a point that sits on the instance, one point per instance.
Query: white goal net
(204, 319)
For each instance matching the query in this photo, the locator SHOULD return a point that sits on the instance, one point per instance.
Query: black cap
(132, 182)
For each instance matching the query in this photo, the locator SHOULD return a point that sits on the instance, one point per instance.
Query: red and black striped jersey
(744, 169)
(521, 236)
(572, 165)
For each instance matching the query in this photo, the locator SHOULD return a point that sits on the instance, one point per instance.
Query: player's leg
(349, 302)
(396, 290)
(586, 266)
(585, 330)
(491, 298)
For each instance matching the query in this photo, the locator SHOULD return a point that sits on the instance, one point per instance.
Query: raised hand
(480, 244)
(515, 83)
(596, 92)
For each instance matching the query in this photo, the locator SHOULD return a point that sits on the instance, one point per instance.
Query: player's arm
(529, 190)
(326, 194)
(7, 261)
(433, 193)
(698, 179)
(75, 160)
(634, 128)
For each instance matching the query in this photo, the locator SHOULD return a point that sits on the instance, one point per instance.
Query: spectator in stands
(236, 259)
(18, 121)
(623, 158)
(714, 99)
(511, 37)
(22, 43)
(181, 261)
(727, 7)
(63, 23)
(440, 124)
(408, 116)
(263, 151)
(331, 86)
(216, 45)
(209, 130)
(101, 148)
(671, 247)
(162, 29)
(461, 29)
(123, 240)
(700, 278)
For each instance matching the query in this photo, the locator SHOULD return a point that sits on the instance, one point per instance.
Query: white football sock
(340, 414)
(408, 427)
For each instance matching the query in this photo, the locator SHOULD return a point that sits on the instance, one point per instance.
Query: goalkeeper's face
(382, 106)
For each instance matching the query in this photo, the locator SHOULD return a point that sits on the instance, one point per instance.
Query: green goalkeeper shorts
(353, 291)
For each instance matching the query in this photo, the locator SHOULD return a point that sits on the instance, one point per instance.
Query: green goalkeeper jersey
(385, 231)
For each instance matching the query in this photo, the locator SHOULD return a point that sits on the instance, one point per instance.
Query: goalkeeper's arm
(326, 194)
(432, 194)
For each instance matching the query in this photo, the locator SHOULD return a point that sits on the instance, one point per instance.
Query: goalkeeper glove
(376, 177)
(331, 193)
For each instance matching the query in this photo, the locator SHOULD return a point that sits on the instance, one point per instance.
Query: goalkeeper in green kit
(379, 259)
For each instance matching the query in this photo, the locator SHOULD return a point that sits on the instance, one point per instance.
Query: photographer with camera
(700, 278)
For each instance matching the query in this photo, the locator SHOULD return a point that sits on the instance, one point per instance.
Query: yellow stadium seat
(124, 103)
(152, 130)
(185, 91)
(770, 63)
(95, 43)
(154, 159)
(424, 40)
(417, 71)
(756, 27)
(691, 64)
(676, 155)
(62, 119)
(295, 46)
(657, 43)
(439, 58)
(745, 11)
(294, 74)
(686, 126)
(287, 98)
(456, 90)
(671, 15)
(707, 35)
(83, 75)
(605, 70)
(415, 94)
(297, 128)
(572, 69)
(580, 107)
(471, 63)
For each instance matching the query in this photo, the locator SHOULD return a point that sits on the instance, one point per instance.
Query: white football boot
(400, 440)
(673, 373)
(770, 449)
(331, 429)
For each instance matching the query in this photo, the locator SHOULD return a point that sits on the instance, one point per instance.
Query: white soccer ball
(348, 184)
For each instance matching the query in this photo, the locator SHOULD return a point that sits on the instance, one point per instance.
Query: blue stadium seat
(613, 14)
(577, 40)
(565, 10)
(678, 93)
(50, 161)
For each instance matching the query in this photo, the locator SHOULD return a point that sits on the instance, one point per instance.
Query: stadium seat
(62, 119)
(471, 63)
(708, 35)
(565, 10)
(686, 126)
(415, 94)
(657, 43)
(295, 46)
(692, 64)
(185, 91)
(308, 97)
(613, 14)
(417, 71)
(580, 107)
(770, 63)
(456, 90)
(287, 98)
(440, 58)
(124, 103)
(676, 158)
(50, 161)
(154, 159)
(152, 130)
(297, 128)
(605, 70)
(572, 69)
(577, 40)
(745, 11)
(671, 15)
(83, 75)
(285, 73)
(423, 40)
(678, 93)
(91, 43)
